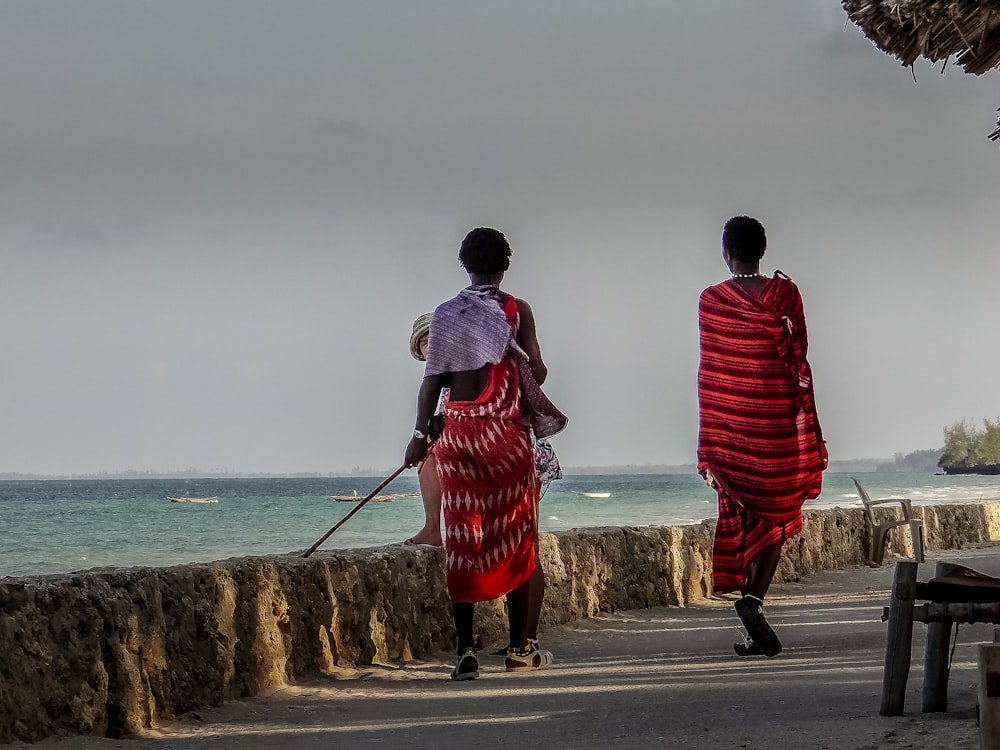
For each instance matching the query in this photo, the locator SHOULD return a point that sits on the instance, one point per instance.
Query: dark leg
(513, 618)
(525, 609)
(518, 614)
(761, 571)
(524, 652)
(536, 593)
(762, 638)
(463, 613)
(467, 667)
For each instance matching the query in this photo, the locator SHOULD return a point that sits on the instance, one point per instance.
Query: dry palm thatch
(933, 29)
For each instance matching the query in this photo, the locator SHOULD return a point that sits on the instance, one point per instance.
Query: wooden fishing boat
(193, 499)
(356, 498)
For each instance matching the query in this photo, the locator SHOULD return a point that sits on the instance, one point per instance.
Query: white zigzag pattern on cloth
(470, 503)
(490, 435)
(458, 561)
(502, 466)
(476, 447)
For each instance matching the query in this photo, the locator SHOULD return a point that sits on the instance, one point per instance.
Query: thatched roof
(934, 30)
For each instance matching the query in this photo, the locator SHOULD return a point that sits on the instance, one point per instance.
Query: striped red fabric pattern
(758, 431)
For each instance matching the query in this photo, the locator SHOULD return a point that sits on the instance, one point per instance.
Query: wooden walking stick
(354, 510)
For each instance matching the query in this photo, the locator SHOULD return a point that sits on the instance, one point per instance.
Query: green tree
(961, 446)
(988, 452)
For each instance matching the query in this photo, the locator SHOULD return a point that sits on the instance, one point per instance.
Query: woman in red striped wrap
(760, 445)
(484, 348)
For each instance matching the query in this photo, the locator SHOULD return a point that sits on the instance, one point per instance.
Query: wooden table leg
(935, 696)
(936, 655)
(989, 697)
(899, 638)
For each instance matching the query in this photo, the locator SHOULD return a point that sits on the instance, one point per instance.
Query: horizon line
(689, 467)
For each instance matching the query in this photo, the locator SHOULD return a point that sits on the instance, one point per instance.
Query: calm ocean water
(54, 526)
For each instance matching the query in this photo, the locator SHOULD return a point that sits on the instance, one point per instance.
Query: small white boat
(594, 494)
(356, 498)
(193, 499)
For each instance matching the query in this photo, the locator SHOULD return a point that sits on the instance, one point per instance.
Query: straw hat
(421, 327)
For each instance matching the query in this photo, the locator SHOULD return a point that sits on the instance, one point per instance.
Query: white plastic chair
(881, 529)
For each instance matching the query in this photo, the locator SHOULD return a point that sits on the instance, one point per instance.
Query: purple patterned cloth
(468, 331)
(471, 331)
(544, 416)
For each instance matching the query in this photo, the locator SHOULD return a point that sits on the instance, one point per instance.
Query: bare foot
(425, 537)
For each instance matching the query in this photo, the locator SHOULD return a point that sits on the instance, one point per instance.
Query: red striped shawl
(758, 430)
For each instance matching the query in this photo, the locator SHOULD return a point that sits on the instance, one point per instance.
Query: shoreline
(127, 525)
(109, 652)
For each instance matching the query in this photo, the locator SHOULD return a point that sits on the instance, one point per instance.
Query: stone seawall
(113, 651)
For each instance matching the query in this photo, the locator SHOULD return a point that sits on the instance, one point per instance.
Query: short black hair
(744, 238)
(485, 251)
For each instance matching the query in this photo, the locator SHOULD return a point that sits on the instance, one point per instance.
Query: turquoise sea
(55, 526)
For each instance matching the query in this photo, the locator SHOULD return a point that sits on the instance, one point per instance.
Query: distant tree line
(925, 460)
(971, 450)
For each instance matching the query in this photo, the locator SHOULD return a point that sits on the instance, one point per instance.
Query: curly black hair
(484, 251)
(744, 238)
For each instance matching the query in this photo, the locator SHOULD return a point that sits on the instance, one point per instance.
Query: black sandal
(467, 667)
(747, 648)
(751, 612)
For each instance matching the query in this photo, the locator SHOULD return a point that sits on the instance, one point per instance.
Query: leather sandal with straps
(529, 657)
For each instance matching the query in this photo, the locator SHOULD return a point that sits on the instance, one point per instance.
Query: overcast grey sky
(219, 219)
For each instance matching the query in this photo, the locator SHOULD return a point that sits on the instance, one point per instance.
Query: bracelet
(419, 435)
